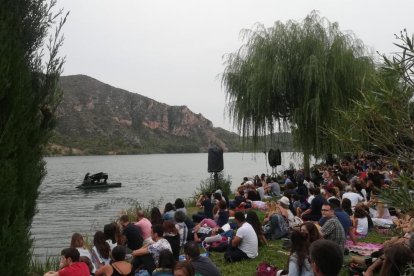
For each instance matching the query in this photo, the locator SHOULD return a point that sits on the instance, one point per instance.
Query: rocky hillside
(96, 118)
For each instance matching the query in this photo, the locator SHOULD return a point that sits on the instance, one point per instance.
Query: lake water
(64, 210)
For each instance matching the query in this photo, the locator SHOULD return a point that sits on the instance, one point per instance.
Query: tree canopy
(382, 120)
(28, 99)
(295, 75)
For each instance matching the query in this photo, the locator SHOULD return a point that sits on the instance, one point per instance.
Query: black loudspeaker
(275, 157)
(215, 160)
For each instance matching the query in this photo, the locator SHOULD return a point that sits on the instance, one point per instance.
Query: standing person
(69, 264)
(131, 233)
(332, 228)
(118, 266)
(202, 265)
(147, 256)
(245, 244)
(299, 264)
(144, 227)
(326, 258)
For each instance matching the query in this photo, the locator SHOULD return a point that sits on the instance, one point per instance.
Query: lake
(64, 210)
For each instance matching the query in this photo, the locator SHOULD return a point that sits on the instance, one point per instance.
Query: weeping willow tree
(28, 99)
(294, 76)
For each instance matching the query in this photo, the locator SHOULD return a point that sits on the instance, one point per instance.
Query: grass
(38, 268)
(272, 253)
(275, 255)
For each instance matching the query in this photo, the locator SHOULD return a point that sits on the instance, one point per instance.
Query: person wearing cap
(278, 220)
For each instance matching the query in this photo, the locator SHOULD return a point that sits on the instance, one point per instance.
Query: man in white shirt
(244, 245)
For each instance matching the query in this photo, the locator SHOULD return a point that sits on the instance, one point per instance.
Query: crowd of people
(315, 217)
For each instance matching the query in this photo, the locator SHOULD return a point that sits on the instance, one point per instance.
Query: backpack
(266, 269)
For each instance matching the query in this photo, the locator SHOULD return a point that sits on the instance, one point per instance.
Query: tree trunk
(306, 164)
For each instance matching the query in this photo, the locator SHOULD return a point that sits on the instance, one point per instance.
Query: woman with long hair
(311, 230)
(155, 216)
(254, 221)
(184, 269)
(78, 243)
(361, 222)
(299, 264)
(100, 250)
(347, 206)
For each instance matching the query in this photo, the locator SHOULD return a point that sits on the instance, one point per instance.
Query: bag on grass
(266, 269)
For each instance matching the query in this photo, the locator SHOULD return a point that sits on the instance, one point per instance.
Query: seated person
(169, 211)
(393, 263)
(275, 223)
(326, 258)
(314, 212)
(70, 264)
(166, 263)
(239, 200)
(131, 233)
(173, 237)
(118, 264)
(204, 201)
(253, 219)
(202, 265)
(222, 215)
(147, 256)
(245, 244)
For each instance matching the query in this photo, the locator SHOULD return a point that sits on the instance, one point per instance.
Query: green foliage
(28, 100)
(131, 206)
(294, 75)
(381, 121)
(38, 268)
(400, 194)
(212, 184)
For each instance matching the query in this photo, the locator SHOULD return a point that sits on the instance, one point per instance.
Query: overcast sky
(172, 51)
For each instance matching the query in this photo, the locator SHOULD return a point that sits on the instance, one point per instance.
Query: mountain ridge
(96, 118)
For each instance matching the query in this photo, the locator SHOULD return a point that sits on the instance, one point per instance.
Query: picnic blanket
(363, 248)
